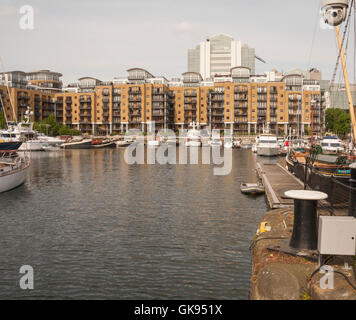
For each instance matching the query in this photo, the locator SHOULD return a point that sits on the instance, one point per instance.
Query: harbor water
(93, 227)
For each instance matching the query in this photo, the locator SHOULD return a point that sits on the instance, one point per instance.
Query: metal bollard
(352, 206)
(305, 227)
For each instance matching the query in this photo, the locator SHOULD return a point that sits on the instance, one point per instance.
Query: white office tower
(218, 54)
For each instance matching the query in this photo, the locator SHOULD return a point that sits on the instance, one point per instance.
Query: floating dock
(277, 180)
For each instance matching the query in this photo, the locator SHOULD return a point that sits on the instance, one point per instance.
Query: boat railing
(335, 184)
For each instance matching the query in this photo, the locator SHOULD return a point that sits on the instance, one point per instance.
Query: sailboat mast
(347, 83)
(3, 108)
(8, 90)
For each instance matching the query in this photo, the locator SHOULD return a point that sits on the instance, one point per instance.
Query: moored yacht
(267, 145)
(332, 145)
(81, 144)
(24, 133)
(193, 138)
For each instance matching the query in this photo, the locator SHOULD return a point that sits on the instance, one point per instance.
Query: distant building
(315, 74)
(45, 79)
(337, 98)
(218, 54)
(238, 101)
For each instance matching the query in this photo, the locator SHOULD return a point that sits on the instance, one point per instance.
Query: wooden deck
(277, 180)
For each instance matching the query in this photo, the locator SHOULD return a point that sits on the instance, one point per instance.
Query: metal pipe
(347, 83)
(352, 206)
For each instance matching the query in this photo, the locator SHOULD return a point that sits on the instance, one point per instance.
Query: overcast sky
(104, 38)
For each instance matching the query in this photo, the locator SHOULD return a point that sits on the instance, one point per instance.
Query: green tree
(338, 121)
(51, 127)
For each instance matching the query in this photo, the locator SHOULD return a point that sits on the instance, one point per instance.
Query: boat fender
(264, 228)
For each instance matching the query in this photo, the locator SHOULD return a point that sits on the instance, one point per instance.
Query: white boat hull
(193, 144)
(123, 144)
(267, 152)
(13, 179)
(32, 146)
(153, 143)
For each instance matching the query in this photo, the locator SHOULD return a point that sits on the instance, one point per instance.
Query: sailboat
(13, 168)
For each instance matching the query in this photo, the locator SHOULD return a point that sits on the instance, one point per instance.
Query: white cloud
(184, 26)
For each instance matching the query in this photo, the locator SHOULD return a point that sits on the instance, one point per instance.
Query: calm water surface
(93, 227)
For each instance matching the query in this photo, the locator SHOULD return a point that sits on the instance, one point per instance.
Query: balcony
(85, 108)
(244, 114)
(218, 106)
(218, 98)
(134, 92)
(134, 99)
(157, 92)
(83, 100)
(241, 97)
(157, 99)
(190, 94)
(190, 101)
(242, 90)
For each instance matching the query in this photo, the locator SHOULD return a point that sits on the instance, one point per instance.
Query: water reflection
(94, 227)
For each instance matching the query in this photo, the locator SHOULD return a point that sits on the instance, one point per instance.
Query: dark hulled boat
(325, 173)
(15, 145)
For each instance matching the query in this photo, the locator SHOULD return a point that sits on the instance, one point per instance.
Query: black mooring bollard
(305, 227)
(352, 206)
